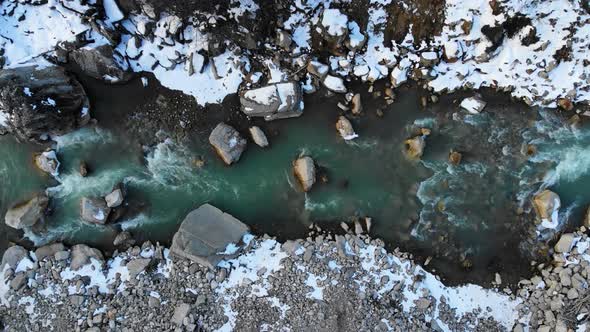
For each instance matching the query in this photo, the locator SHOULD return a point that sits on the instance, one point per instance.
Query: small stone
(258, 136)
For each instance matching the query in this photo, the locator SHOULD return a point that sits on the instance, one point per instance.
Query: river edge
(352, 282)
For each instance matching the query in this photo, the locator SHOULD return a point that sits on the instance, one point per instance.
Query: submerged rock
(304, 169)
(205, 234)
(100, 63)
(227, 142)
(455, 157)
(357, 106)
(37, 103)
(258, 137)
(546, 205)
(275, 101)
(28, 213)
(473, 105)
(47, 162)
(345, 129)
(94, 210)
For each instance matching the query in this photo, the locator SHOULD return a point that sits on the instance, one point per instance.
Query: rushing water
(457, 213)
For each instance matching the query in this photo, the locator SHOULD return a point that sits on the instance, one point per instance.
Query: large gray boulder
(27, 213)
(304, 169)
(275, 101)
(36, 103)
(12, 256)
(227, 142)
(48, 250)
(94, 210)
(82, 254)
(100, 63)
(205, 234)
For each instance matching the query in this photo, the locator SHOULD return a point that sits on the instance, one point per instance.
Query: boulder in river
(36, 103)
(334, 84)
(258, 136)
(275, 101)
(100, 64)
(205, 234)
(565, 243)
(546, 205)
(83, 254)
(415, 146)
(83, 169)
(304, 169)
(473, 105)
(455, 157)
(227, 142)
(47, 162)
(345, 129)
(123, 239)
(27, 213)
(94, 210)
(115, 198)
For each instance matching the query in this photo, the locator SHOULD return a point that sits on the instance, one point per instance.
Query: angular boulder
(115, 198)
(546, 205)
(565, 243)
(12, 256)
(39, 102)
(227, 142)
(100, 64)
(27, 213)
(275, 101)
(47, 162)
(94, 210)
(205, 234)
(304, 170)
(48, 250)
(473, 105)
(345, 129)
(82, 255)
(258, 137)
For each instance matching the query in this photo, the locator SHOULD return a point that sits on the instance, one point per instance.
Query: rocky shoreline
(321, 283)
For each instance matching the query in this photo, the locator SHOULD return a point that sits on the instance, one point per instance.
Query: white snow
(114, 14)
(264, 96)
(335, 22)
(335, 84)
(473, 105)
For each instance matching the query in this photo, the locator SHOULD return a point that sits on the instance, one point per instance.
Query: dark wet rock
(115, 198)
(12, 256)
(565, 103)
(100, 63)
(28, 213)
(227, 142)
(258, 136)
(49, 250)
(83, 169)
(495, 35)
(47, 162)
(83, 254)
(205, 234)
(304, 170)
(275, 101)
(94, 210)
(37, 103)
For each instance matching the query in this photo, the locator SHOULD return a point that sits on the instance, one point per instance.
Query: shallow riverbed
(461, 215)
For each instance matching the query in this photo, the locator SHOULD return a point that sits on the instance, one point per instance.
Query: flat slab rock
(275, 101)
(205, 234)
